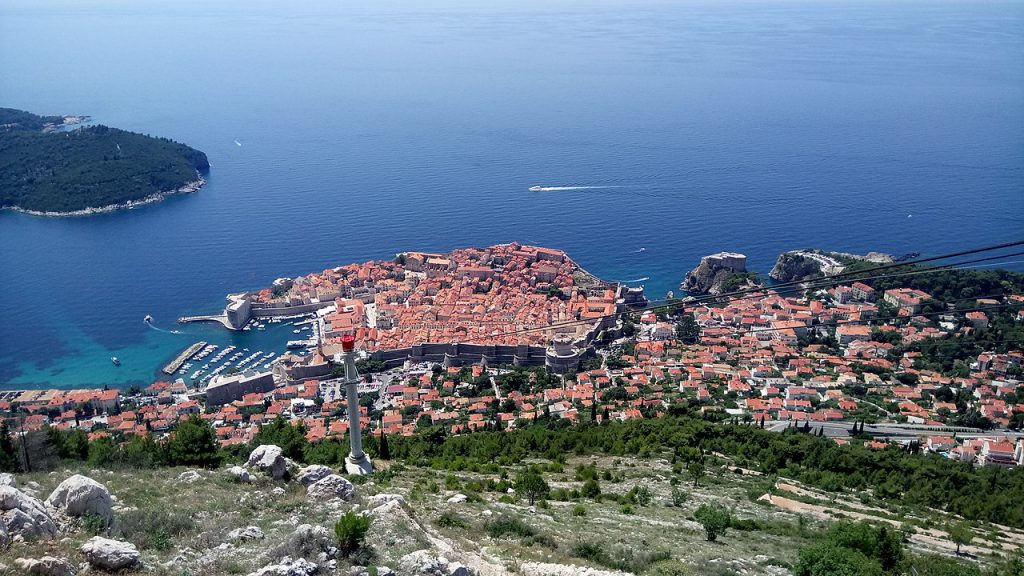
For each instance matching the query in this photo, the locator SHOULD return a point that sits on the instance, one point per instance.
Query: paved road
(889, 431)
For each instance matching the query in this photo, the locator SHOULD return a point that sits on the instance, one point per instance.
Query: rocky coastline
(187, 188)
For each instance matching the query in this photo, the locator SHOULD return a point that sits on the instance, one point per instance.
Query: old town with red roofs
(770, 359)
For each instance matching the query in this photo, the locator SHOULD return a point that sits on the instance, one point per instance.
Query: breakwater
(182, 357)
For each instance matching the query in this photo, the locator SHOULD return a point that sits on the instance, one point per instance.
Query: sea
(341, 131)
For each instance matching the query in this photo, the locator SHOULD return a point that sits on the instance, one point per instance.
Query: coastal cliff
(801, 265)
(718, 274)
(48, 170)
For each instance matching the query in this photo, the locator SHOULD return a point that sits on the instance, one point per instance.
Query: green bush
(679, 497)
(579, 510)
(152, 529)
(714, 518)
(450, 520)
(508, 526)
(350, 531)
(669, 568)
(591, 489)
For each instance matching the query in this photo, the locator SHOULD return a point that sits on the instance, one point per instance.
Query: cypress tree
(385, 451)
(8, 451)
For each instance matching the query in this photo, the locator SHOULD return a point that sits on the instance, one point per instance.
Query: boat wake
(148, 321)
(567, 188)
(634, 281)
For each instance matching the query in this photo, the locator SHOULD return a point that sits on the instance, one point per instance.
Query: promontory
(51, 167)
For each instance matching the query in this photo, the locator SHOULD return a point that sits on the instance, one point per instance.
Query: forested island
(49, 171)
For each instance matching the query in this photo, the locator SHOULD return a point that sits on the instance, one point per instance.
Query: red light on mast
(348, 343)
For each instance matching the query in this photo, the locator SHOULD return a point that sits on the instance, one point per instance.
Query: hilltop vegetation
(90, 167)
(544, 501)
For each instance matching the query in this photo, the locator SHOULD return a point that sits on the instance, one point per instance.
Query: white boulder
(24, 515)
(330, 487)
(80, 495)
(457, 499)
(107, 554)
(270, 460)
(310, 474)
(240, 474)
(423, 562)
(247, 533)
(7, 479)
(288, 567)
(45, 566)
(189, 476)
(378, 499)
(311, 541)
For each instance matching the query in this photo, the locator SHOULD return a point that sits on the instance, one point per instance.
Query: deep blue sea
(369, 128)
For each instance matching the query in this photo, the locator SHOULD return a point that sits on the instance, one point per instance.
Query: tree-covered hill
(89, 167)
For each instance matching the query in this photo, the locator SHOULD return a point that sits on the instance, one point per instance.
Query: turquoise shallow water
(366, 130)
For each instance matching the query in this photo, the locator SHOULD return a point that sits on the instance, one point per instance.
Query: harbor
(204, 360)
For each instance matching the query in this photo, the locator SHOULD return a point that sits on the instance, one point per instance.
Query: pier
(219, 318)
(181, 358)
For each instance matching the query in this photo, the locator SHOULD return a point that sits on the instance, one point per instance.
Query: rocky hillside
(801, 265)
(592, 516)
(271, 518)
(712, 277)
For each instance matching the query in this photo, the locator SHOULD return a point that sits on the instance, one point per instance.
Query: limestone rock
(24, 515)
(310, 540)
(45, 566)
(330, 487)
(423, 562)
(270, 460)
(247, 533)
(311, 474)
(107, 554)
(80, 495)
(240, 474)
(288, 567)
(189, 476)
(457, 499)
(379, 499)
(7, 479)
(718, 273)
(795, 267)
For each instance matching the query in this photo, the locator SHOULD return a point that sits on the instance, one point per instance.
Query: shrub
(350, 531)
(579, 510)
(450, 520)
(152, 529)
(679, 497)
(714, 518)
(669, 568)
(620, 557)
(626, 509)
(643, 495)
(508, 526)
(591, 489)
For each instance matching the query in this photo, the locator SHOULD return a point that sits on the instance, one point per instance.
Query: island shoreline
(187, 188)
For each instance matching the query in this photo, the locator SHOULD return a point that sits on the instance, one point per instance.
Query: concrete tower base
(360, 467)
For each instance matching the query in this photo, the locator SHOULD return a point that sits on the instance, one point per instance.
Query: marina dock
(181, 358)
